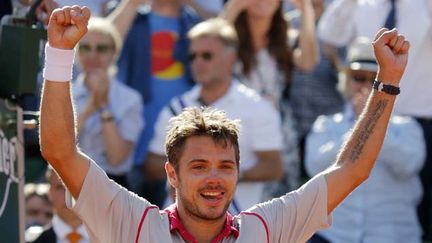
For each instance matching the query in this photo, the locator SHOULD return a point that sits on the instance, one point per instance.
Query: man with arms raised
(203, 157)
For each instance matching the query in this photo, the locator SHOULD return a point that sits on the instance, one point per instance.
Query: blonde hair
(106, 27)
(218, 28)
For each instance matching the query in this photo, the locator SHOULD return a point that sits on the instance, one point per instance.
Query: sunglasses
(36, 212)
(205, 55)
(100, 49)
(361, 78)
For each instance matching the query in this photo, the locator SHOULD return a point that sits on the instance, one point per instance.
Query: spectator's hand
(45, 9)
(98, 83)
(238, 5)
(391, 52)
(300, 4)
(67, 25)
(233, 8)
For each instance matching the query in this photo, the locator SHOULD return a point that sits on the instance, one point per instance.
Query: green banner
(11, 173)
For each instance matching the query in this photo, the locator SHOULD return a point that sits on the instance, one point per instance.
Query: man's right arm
(57, 125)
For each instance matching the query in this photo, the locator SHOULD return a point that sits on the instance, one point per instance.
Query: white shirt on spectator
(344, 20)
(383, 208)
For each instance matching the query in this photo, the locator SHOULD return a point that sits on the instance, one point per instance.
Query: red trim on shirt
(142, 221)
(262, 221)
(176, 224)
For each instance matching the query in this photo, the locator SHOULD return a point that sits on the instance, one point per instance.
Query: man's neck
(202, 230)
(166, 8)
(211, 93)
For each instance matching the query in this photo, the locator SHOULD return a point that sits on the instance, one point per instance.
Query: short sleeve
(109, 212)
(296, 216)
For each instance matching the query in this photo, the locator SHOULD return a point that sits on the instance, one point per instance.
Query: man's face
(206, 178)
(96, 51)
(210, 61)
(360, 80)
(38, 211)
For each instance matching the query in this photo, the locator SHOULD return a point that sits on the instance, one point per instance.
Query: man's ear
(171, 174)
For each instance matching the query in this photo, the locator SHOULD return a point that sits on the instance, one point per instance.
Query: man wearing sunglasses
(383, 209)
(212, 55)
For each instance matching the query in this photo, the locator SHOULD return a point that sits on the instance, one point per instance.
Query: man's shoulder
(247, 94)
(178, 103)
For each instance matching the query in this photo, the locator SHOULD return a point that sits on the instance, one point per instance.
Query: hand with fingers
(97, 82)
(67, 25)
(300, 4)
(391, 52)
(233, 8)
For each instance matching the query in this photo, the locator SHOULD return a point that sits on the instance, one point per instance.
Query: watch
(106, 115)
(386, 88)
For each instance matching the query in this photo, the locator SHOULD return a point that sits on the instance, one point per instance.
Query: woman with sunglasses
(109, 112)
(384, 208)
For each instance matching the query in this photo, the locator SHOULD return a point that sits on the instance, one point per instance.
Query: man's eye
(198, 167)
(228, 167)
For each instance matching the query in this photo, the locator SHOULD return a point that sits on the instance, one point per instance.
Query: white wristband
(58, 64)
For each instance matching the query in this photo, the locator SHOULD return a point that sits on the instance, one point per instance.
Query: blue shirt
(383, 208)
(157, 79)
(126, 107)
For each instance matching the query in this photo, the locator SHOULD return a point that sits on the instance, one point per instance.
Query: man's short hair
(218, 28)
(194, 121)
(106, 27)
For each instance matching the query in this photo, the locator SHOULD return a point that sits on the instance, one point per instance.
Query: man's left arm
(357, 157)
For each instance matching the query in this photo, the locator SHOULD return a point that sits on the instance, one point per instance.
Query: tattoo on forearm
(366, 130)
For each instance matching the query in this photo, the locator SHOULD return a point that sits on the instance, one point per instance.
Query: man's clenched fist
(67, 25)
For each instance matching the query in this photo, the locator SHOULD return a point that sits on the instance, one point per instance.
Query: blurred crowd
(297, 75)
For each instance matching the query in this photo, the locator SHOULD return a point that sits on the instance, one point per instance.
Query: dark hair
(200, 122)
(277, 46)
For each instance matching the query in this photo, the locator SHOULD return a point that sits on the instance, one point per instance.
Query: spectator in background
(37, 206)
(383, 209)
(65, 226)
(21, 7)
(154, 62)
(314, 92)
(213, 55)
(97, 7)
(109, 112)
(266, 59)
(266, 62)
(205, 8)
(345, 20)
